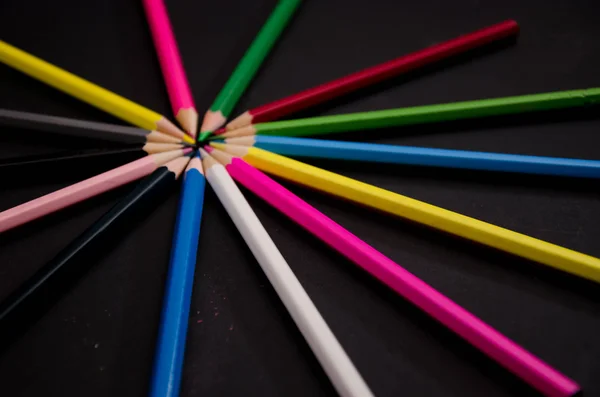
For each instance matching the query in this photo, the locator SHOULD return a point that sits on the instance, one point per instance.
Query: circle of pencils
(159, 153)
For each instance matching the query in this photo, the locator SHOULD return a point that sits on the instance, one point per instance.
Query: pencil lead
(204, 135)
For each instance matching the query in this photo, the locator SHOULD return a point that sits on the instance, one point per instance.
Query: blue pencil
(395, 154)
(168, 360)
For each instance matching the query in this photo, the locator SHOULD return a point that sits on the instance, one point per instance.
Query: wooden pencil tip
(249, 140)
(188, 118)
(159, 137)
(221, 156)
(177, 165)
(164, 125)
(212, 121)
(207, 160)
(244, 131)
(195, 164)
(235, 150)
(165, 157)
(153, 147)
(240, 121)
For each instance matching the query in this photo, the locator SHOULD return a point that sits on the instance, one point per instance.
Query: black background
(98, 340)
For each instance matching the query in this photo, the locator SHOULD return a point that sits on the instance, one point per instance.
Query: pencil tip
(203, 153)
(204, 135)
(188, 139)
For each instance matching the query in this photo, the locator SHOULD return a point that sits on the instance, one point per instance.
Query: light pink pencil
(85, 189)
(497, 346)
(171, 65)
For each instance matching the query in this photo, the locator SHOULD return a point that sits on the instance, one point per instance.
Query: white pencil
(337, 365)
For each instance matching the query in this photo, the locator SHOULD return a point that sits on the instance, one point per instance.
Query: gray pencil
(81, 128)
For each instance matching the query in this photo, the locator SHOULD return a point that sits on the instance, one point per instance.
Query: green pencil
(419, 114)
(233, 89)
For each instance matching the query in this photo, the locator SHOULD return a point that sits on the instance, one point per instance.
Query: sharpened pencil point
(203, 153)
(189, 139)
(204, 135)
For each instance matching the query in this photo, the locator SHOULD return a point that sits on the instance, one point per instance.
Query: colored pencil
(332, 357)
(170, 349)
(85, 189)
(411, 155)
(88, 92)
(171, 65)
(421, 114)
(51, 278)
(497, 346)
(73, 159)
(244, 72)
(371, 196)
(374, 74)
(82, 129)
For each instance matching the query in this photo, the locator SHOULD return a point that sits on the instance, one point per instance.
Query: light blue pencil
(395, 154)
(170, 347)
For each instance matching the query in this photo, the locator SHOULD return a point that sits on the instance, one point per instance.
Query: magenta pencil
(171, 65)
(528, 367)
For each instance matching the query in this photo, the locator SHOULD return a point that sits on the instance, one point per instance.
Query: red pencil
(374, 74)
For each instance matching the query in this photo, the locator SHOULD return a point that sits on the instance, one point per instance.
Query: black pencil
(81, 128)
(73, 159)
(50, 281)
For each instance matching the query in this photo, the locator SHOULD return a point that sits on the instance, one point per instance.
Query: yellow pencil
(89, 92)
(485, 233)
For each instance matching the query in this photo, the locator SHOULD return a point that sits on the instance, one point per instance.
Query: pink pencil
(171, 65)
(85, 189)
(513, 357)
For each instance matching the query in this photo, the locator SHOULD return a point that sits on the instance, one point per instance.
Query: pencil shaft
(50, 279)
(170, 61)
(168, 360)
(334, 360)
(83, 190)
(371, 196)
(411, 155)
(84, 90)
(72, 127)
(430, 113)
(513, 357)
(254, 56)
(384, 71)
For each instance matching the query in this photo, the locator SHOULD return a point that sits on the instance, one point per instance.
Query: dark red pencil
(374, 74)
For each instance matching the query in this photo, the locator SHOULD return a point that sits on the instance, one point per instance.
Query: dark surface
(99, 339)
(41, 291)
